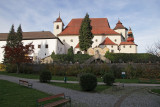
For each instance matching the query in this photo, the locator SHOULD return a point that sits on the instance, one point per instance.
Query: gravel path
(87, 99)
(131, 96)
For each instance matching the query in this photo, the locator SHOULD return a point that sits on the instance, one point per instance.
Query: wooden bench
(25, 83)
(117, 86)
(144, 80)
(64, 100)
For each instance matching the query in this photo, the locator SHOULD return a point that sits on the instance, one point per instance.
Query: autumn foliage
(19, 54)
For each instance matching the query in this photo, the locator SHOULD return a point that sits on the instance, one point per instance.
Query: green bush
(108, 78)
(88, 82)
(132, 57)
(45, 76)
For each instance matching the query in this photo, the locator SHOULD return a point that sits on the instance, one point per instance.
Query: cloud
(142, 16)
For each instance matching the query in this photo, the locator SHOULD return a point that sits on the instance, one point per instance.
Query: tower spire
(59, 14)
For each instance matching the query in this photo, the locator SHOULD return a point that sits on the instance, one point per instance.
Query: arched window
(57, 26)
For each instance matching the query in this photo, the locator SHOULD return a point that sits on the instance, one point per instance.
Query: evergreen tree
(19, 36)
(86, 36)
(70, 54)
(11, 37)
(15, 52)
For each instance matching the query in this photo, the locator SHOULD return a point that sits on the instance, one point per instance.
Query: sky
(142, 16)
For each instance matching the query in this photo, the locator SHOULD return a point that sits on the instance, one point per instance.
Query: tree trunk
(85, 52)
(17, 68)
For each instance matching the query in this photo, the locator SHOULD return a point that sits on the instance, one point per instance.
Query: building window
(46, 46)
(71, 40)
(57, 27)
(115, 40)
(112, 46)
(63, 40)
(124, 46)
(130, 46)
(96, 40)
(112, 51)
(39, 46)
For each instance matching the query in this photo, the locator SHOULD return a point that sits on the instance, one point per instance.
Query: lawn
(14, 95)
(70, 78)
(77, 87)
(156, 91)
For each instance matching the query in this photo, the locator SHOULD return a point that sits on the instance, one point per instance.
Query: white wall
(73, 40)
(123, 32)
(69, 41)
(2, 43)
(111, 47)
(53, 45)
(128, 49)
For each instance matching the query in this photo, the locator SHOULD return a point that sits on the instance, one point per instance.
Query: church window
(71, 40)
(130, 46)
(112, 51)
(46, 46)
(39, 46)
(124, 46)
(63, 40)
(112, 46)
(96, 40)
(57, 26)
(115, 40)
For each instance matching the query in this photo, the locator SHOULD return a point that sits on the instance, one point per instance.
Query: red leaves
(19, 54)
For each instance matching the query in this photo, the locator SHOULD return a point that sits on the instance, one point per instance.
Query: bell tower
(58, 26)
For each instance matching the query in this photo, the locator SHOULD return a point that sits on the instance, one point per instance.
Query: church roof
(100, 26)
(31, 35)
(119, 25)
(77, 46)
(127, 43)
(107, 41)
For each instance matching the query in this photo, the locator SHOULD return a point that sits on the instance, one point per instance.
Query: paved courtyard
(133, 95)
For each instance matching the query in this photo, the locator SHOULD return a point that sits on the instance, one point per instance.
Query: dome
(130, 39)
(59, 19)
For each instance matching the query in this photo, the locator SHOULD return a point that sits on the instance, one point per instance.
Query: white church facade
(117, 40)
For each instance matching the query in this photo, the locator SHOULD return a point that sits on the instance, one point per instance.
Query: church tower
(58, 26)
(130, 36)
(121, 29)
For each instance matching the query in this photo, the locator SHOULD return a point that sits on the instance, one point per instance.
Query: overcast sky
(142, 16)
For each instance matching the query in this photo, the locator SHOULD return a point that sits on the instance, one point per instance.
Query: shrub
(88, 82)
(108, 78)
(45, 76)
(116, 71)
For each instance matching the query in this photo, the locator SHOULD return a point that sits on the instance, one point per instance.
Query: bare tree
(154, 49)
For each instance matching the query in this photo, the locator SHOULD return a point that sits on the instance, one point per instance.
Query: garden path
(129, 97)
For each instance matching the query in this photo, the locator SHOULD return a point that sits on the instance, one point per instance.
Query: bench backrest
(50, 97)
(23, 81)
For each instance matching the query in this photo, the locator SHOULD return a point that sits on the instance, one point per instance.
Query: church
(117, 40)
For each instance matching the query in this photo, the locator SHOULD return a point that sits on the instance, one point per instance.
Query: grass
(77, 87)
(156, 91)
(14, 95)
(71, 78)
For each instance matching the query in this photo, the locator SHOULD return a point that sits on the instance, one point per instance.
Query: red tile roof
(127, 43)
(31, 35)
(100, 26)
(107, 41)
(77, 46)
(119, 25)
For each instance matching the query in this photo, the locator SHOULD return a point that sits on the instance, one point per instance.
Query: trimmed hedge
(81, 58)
(136, 58)
(88, 82)
(108, 78)
(45, 76)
